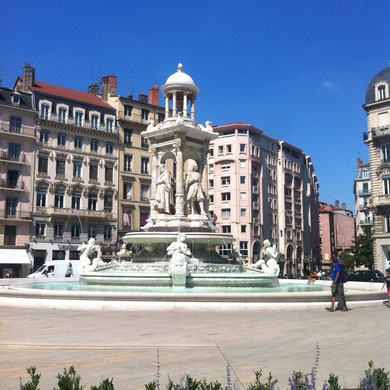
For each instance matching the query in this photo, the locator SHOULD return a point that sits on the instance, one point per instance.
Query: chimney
(143, 98)
(154, 95)
(359, 162)
(337, 204)
(344, 206)
(131, 95)
(108, 87)
(28, 77)
(93, 89)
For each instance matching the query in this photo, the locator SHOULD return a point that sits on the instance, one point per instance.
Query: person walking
(69, 271)
(337, 286)
(387, 284)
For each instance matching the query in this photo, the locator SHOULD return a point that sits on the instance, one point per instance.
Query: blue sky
(296, 69)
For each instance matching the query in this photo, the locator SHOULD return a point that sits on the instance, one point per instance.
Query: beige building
(17, 142)
(377, 138)
(76, 171)
(134, 158)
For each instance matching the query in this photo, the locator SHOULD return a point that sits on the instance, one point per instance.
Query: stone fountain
(178, 243)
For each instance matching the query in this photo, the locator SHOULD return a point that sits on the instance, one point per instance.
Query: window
(386, 153)
(110, 125)
(220, 150)
(60, 167)
(93, 171)
(61, 139)
(365, 188)
(255, 214)
(74, 255)
(108, 202)
(15, 124)
(10, 206)
(225, 196)
(107, 232)
(229, 148)
(255, 198)
(128, 163)
(145, 192)
(91, 231)
(386, 186)
(62, 115)
(382, 92)
(211, 197)
(161, 118)
(127, 191)
(242, 148)
(58, 230)
(44, 136)
(94, 145)
(9, 235)
(242, 196)
(128, 110)
(144, 143)
(109, 147)
(244, 248)
(145, 165)
(225, 166)
(226, 213)
(16, 100)
(59, 199)
(40, 229)
(144, 114)
(12, 178)
(14, 151)
(211, 183)
(243, 212)
(243, 228)
(78, 118)
(58, 255)
(92, 201)
(225, 180)
(242, 164)
(75, 231)
(44, 111)
(78, 142)
(226, 229)
(127, 136)
(94, 121)
(225, 250)
(211, 168)
(108, 173)
(242, 179)
(41, 197)
(76, 200)
(42, 164)
(76, 168)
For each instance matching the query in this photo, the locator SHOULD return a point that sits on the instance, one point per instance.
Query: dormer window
(16, 100)
(78, 119)
(45, 111)
(382, 92)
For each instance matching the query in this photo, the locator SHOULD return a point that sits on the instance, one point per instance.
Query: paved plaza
(123, 345)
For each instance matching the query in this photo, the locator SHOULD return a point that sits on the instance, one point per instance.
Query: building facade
(134, 157)
(377, 138)
(337, 228)
(261, 188)
(76, 171)
(362, 192)
(17, 143)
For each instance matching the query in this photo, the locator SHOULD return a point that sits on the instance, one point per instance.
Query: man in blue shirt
(337, 286)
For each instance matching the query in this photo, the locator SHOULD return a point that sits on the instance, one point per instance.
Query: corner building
(261, 188)
(377, 138)
(76, 171)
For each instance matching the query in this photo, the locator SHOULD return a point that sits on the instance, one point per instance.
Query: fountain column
(193, 108)
(154, 169)
(174, 109)
(166, 106)
(185, 102)
(179, 179)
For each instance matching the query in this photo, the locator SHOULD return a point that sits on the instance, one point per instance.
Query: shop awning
(14, 256)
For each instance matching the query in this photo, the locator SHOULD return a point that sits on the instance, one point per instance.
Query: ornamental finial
(180, 67)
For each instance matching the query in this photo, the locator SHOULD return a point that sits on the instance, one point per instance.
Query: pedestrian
(7, 275)
(387, 283)
(337, 286)
(313, 277)
(69, 271)
(319, 275)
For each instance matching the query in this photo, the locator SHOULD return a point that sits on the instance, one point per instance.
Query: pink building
(337, 227)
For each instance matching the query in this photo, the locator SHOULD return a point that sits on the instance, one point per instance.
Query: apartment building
(17, 141)
(377, 138)
(76, 171)
(362, 192)
(261, 188)
(134, 158)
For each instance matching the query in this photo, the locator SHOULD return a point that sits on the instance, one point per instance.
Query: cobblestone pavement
(123, 345)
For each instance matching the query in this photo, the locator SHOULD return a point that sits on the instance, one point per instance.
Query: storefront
(14, 263)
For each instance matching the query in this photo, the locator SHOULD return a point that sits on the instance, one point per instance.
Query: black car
(366, 276)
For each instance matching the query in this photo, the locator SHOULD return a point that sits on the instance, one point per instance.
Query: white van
(56, 269)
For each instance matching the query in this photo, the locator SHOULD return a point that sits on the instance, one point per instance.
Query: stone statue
(123, 254)
(195, 194)
(87, 262)
(269, 264)
(178, 266)
(208, 127)
(162, 203)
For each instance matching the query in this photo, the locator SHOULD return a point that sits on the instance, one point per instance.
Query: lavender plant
(375, 378)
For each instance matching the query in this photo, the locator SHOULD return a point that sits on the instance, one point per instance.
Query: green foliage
(69, 380)
(375, 378)
(151, 386)
(298, 382)
(332, 383)
(105, 384)
(190, 383)
(258, 385)
(349, 259)
(364, 252)
(34, 379)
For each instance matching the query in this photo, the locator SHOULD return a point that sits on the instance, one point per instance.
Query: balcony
(82, 213)
(378, 132)
(108, 183)
(11, 214)
(16, 130)
(94, 181)
(363, 207)
(365, 193)
(13, 158)
(255, 190)
(365, 223)
(19, 186)
(382, 200)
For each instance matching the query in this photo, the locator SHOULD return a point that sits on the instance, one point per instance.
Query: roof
(180, 80)
(383, 75)
(6, 98)
(69, 94)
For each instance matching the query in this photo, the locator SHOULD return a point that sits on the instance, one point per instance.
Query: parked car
(366, 276)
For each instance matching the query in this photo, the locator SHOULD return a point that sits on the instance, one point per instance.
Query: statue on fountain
(163, 192)
(180, 257)
(269, 264)
(88, 263)
(194, 191)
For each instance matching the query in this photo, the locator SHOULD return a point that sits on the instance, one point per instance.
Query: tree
(349, 259)
(364, 253)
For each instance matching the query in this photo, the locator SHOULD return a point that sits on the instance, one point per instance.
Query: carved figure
(87, 262)
(195, 194)
(163, 196)
(179, 119)
(269, 264)
(208, 127)
(123, 254)
(178, 266)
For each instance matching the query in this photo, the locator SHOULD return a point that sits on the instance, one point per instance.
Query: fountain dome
(180, 81)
